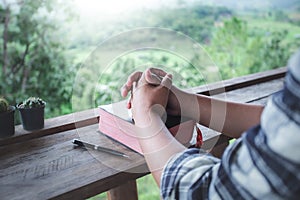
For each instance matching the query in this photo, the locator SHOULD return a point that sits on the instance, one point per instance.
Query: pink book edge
(122, 131)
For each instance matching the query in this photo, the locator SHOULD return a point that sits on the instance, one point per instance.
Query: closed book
(116, 122)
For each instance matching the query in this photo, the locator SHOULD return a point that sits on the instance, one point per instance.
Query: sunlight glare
(113, 6)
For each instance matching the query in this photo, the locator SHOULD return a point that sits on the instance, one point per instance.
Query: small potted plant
(7, 119)
(32, 113)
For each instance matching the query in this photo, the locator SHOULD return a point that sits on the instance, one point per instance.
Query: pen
(98, 148)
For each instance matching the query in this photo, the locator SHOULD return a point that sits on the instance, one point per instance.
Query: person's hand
(148, 99)
(153, 76)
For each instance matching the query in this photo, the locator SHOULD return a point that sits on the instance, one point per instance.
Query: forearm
(229, 118)
(158, 145)
(240, 117)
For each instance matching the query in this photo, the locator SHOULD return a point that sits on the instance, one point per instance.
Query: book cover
(116, 122)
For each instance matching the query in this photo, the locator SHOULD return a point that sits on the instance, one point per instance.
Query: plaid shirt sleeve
(263, 164)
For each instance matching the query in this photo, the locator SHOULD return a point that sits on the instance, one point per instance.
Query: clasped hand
(149, 94)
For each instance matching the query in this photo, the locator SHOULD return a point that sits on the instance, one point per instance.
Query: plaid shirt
(263, 164)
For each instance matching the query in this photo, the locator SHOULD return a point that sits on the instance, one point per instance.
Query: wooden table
(45, 164)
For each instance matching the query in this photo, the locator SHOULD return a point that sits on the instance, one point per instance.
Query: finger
(142, 81)
(134, 85)
(154, 75)
(167, 81)
(158, 72)
(152, 78)
(125, 90)
(135, 76)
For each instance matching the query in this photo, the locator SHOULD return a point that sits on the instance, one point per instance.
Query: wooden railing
(44, 164)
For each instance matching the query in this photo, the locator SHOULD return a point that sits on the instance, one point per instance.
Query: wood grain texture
(253, 93)
(50, 167)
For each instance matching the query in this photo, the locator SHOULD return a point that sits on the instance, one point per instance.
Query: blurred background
(50, 48)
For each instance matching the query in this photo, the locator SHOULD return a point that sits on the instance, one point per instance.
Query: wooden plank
(125, 191)
(50, 167)
(239, 82)
(254, 92)
(54, 125)
(99, 186)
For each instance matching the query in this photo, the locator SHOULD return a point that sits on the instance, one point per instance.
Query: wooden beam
(125, 191)
(239, 82)
(54, 125)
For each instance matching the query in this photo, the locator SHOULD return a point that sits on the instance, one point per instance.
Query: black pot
(7, 123)
(32, 118)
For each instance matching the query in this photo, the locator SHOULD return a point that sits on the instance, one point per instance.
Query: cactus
(4, 106)
(32, 102)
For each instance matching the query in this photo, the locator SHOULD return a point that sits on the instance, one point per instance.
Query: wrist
(187, 103)
(150, 126)
(144, 119)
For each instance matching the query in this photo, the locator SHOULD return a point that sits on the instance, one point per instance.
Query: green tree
(269, 52)
(32, 62)
(228, 47)
(195, 21)
(237, 51)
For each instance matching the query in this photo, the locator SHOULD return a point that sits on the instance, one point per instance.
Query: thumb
(167, 81)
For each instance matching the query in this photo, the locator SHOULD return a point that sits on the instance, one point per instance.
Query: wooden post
(125, 191)
(220, 146)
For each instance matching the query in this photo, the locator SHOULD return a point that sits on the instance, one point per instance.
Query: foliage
(32, 59)
(3, 105)
(32, 102)
(196, 21)
(108, 87)
(236, 46)
(270, 53)
(147, 188)
(228, 46)
(238, 51)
